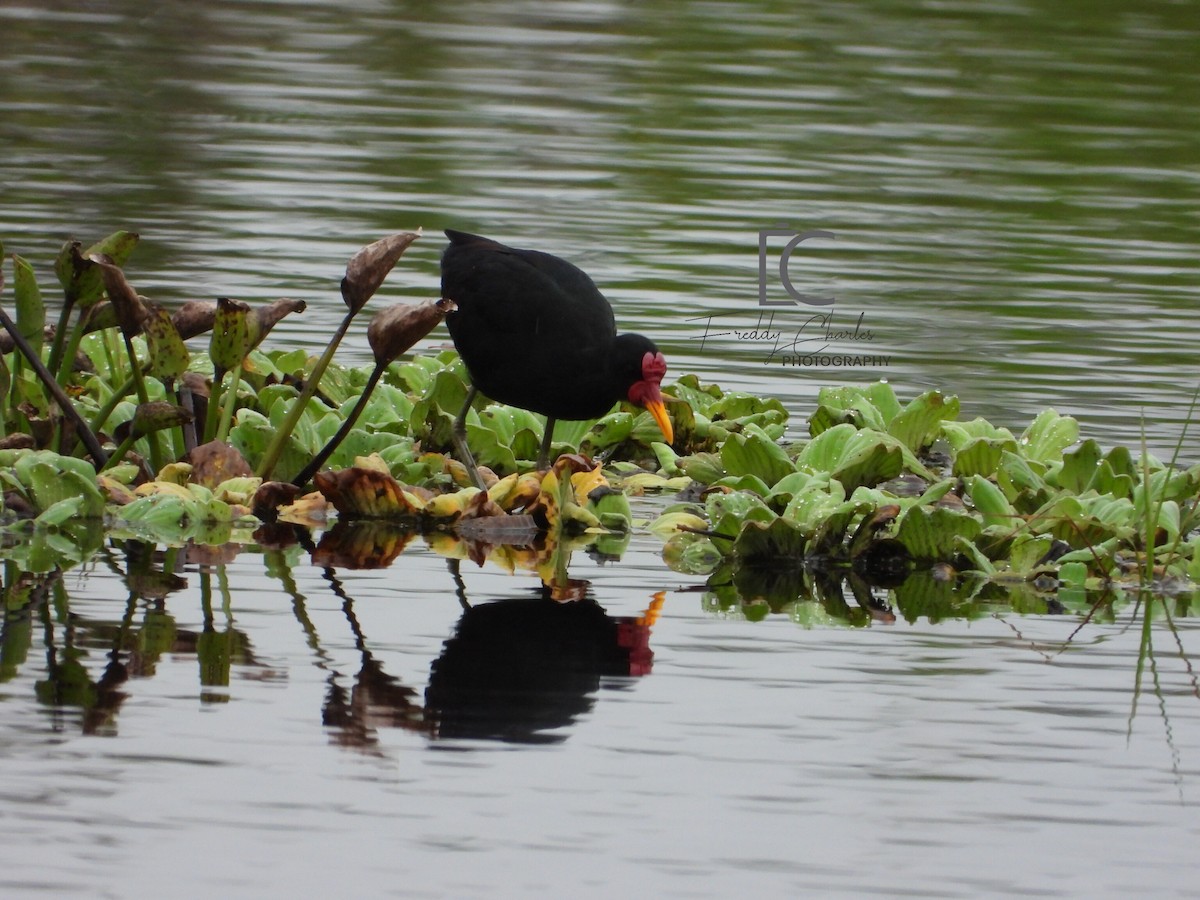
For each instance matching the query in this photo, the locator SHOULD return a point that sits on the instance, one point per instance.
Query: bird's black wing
(507, 291)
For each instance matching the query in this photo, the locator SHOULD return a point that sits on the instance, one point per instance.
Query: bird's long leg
(460, 439)
(543, 462)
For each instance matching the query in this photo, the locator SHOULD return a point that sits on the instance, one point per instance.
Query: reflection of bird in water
(516, 669)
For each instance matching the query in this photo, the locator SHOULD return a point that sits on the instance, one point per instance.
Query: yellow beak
(659, 411)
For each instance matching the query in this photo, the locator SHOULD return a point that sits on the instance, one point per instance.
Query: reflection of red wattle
(635, 637)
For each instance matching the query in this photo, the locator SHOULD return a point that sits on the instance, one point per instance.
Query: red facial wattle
(646, 392)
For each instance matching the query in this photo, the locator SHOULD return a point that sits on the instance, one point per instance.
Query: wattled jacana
(535, 332)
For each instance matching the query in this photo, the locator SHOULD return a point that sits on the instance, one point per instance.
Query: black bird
(535, 332)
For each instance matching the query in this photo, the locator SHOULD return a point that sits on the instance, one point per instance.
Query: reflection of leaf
(362, 545)
(935, 598)
(930, 534)
(770, 544)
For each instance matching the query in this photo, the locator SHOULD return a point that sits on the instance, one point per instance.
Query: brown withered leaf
(575, 462)
(370, 265)
(117, 493)
(198, 384)
(359, 493)
(130, 307)
(270, 496)
(268, 316)
(362, 545)
(156, 415)
(17, 441)
(215, 462)
(481, 506)
(194, 318)
(395, 329)
(101, 315)
(310, 511)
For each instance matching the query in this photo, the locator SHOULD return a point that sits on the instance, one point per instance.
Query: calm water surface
(1012, 192)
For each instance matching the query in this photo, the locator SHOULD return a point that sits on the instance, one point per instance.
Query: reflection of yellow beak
(659, 411)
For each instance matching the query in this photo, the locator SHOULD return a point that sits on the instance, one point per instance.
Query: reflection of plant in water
(131, 649)
(1148, 658)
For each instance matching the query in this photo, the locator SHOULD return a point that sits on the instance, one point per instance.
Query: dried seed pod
(370, 265)
(395, 329)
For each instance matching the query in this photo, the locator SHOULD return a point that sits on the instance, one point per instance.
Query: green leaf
(991, 503)
(1048, 435)
(728, 512)
(60, 512)
(917, 425)
(754, 453)
(168, 356)
(605, 433)
(235, 332)
(704, 468)
(1079, 468)
(50, 479)
(868, 460)
(31, 311)
(81, 278)
(814, 502)
(852, 406)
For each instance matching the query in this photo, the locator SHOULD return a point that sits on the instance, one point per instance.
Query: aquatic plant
(881, 493)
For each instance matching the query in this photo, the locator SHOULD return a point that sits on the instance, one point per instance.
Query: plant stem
(189, 428)
(314, 466)
(99, 457)
(66, 361)
(139, 383)
(60, 331)
(119, 453)
(101, 418)
(230, 402)
(214, 404)
(275, 449)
